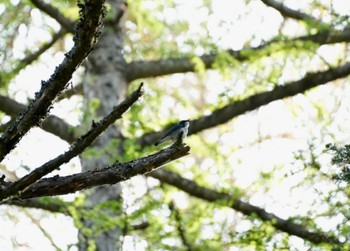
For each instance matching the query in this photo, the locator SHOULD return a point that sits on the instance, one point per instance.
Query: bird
(175, 133)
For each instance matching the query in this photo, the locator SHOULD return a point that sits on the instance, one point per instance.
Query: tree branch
(110, 175)
(86, 35)
(75, 149)
(54, 205)
(35, 55)
(327, 36)
(288, 12)
(5, 77)
(234, 109)
(76, 90)
(179, 227)
(63, 130)
(51, 124)
(245, 208)
(155, 68)
(55, 14)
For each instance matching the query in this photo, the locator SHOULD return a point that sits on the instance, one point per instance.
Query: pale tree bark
(104, 80)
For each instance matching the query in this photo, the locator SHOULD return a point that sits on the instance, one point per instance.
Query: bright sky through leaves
(282, 126)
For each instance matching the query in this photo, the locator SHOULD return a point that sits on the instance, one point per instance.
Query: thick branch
(154, 68)
(87, 31)
(232, 110)
(51, 124)
(61, 129)
(113, 174)
(55, 14)
(211, 195)
(327, 36)
(76, 148)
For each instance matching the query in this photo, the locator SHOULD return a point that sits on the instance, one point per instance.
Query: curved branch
(245, 208)
(55, 14)
(113, 174)
(234, 109)
(87, 32)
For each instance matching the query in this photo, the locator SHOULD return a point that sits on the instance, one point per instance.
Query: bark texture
(104, 81)
(87, 31)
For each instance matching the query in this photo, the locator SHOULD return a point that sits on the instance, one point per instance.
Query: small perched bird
(180, 130)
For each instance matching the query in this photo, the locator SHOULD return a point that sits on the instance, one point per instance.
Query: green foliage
(132, 151)
(68, 8)
(91, 245)
(207, 226)
(199, 66)
(341, 158)
(16, 15)
(257, 237)
(144, 19)
(137, 121)
(224, 63)
(146, 24)
(103, 217)
(281, 44)
(162, 35)
(91, 153)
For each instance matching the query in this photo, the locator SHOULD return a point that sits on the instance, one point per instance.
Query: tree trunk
(104, 80)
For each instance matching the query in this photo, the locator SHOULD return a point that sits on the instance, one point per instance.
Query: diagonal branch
(76, 148)
(110, 175)
(30, 58)
(38, 224)
(86, 35)
(288, 12)
(234, 109)
(35, 55)
(55, 14)
(245, 208)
